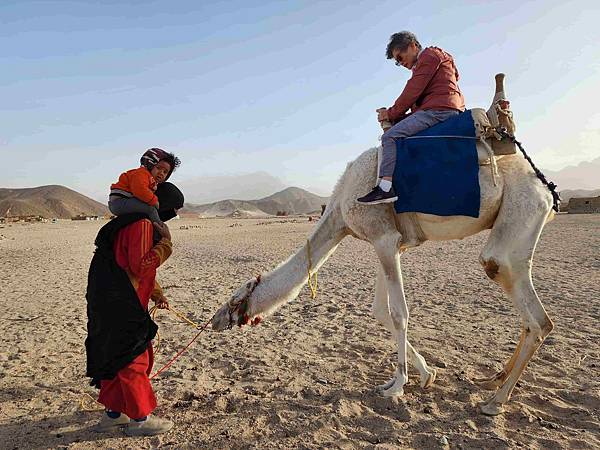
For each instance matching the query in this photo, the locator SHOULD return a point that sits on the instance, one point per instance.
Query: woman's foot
(108, 423)
(150, 426)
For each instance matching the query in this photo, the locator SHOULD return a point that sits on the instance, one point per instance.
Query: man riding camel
(432, 95)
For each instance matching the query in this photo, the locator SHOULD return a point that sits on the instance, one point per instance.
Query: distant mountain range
(48, 201)
(64, 203)
(248, 186)
(292, 200)
(568, 194)
(585, 175)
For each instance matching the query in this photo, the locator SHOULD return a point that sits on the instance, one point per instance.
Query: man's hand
(163, 230)
(382, 115)
(162, 302)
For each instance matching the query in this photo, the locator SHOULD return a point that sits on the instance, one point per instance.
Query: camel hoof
(393, 392)
(428, 381)
(386, 386)
(491, 408)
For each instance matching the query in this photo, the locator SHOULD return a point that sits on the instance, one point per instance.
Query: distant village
(30, 218)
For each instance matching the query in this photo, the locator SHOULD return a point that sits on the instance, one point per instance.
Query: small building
(24, 218)
(85, 217)
(584, 205)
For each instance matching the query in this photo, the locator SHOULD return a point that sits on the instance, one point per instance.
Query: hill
(48, 201)
(224, 208)
(582, 176)
(292, 200)
(211, 189)
(568, 194)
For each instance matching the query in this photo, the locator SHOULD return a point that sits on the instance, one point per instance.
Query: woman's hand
(162, 302)
(163, 230)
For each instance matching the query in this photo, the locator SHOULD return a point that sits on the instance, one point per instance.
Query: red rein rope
(182, 350)
(256, 321)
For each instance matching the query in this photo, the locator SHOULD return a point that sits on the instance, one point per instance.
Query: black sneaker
(377, 196)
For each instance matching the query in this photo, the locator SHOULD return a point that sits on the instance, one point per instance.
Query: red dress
(130, 392)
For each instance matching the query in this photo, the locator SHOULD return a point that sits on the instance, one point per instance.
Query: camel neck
(285, 282)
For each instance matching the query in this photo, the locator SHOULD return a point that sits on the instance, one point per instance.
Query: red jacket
(139, 183)
(433, 85)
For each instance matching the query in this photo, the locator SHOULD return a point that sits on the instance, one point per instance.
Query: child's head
(160, 163)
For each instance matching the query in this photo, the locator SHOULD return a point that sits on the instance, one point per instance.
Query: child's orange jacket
(139, 183)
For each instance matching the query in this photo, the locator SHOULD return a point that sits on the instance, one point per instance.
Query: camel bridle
(241, 307)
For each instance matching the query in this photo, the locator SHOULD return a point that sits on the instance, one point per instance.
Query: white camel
(515, 205)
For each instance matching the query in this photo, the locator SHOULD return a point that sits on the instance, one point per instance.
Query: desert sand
(305, 377)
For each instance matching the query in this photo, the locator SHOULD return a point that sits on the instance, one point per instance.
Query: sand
(305, 377)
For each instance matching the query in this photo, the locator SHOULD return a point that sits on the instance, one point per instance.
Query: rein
(312, 277)
(232, 308)
(549, 184)
(172, 360)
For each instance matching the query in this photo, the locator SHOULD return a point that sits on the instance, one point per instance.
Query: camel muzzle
(221, 320)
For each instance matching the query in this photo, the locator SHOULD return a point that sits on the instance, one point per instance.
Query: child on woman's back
(134, 192)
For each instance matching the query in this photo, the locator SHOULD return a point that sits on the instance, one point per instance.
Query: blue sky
(286, 87)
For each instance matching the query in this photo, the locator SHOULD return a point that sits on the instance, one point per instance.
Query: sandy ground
(305, 377)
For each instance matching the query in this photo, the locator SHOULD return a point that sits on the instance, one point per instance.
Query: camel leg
(507, 260)
(387, 251)
(381, 311)
(494, 382)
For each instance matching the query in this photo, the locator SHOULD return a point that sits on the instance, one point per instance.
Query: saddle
(487, 132)
(491, 145)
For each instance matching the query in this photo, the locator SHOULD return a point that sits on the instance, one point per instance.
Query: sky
(284, 87)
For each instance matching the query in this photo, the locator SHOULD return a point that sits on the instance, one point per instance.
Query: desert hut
(584, 205)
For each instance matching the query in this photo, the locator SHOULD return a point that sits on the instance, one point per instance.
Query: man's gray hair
(401, 41)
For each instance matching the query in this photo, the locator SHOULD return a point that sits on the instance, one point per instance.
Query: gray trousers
(410, 126)
(121, 205)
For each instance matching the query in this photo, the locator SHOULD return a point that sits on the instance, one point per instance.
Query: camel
(515, 205)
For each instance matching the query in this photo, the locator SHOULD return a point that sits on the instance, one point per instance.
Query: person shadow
(58, 431)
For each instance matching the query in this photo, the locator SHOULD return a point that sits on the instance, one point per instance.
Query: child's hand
(162, 302)
(163, 230)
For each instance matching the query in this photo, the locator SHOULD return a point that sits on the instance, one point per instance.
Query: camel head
(236, 310)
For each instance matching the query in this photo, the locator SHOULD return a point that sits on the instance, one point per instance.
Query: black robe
(119, 329)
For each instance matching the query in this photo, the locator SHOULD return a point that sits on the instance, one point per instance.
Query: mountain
(224, 208)
(48, 201)
(292, 200)
(247, 186)
(585, 175)
(568, 194)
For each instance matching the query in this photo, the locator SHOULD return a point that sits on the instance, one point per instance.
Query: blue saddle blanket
(439, 175)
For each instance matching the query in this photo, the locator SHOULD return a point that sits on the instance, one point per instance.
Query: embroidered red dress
(130, 392)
